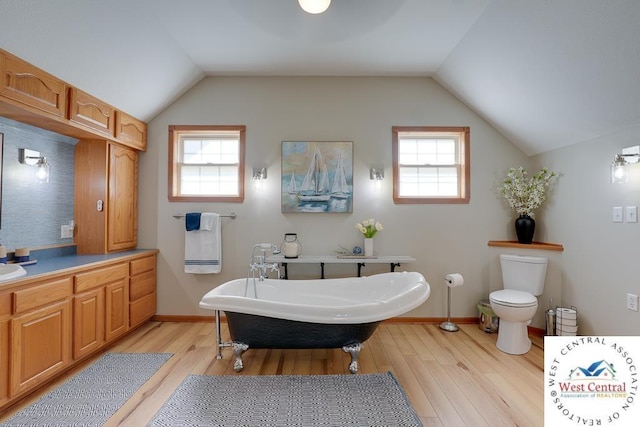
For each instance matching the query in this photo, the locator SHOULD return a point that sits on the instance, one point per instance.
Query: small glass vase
(368, 246)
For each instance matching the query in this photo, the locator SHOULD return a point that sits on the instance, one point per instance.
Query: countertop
(69, 262)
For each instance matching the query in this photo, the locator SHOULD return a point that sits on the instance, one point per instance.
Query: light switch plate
(617, 214)
(631, 213)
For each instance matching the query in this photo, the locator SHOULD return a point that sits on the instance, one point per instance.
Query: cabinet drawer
(93, 279)
(141, 310)
(91, 112)
(141, 285)
(32, 87)
(41, 295)
(141, 265)
(5, 304)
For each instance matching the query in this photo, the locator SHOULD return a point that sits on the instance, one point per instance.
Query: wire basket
(566, 321)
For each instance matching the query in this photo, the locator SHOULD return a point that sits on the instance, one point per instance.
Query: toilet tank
(523, 273)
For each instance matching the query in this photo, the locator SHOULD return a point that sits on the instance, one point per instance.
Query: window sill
(535, 245)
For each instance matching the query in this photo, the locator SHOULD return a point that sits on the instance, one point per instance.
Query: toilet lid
(513, 298)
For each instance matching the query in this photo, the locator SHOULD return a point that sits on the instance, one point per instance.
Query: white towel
(202, 248)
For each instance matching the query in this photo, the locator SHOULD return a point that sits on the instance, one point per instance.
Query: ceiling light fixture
(314, 6)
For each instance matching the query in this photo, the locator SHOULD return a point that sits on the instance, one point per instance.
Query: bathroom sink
(11, 271)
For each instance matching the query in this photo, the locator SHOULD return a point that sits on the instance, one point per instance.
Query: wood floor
(451, 379)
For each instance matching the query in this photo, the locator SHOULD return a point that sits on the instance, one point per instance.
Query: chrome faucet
(258, 262)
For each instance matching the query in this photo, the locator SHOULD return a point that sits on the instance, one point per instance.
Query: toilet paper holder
(452, 280)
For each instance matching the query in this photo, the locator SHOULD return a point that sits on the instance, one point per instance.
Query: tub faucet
(258, 262)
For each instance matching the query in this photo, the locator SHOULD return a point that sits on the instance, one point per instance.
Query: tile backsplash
(32, 212)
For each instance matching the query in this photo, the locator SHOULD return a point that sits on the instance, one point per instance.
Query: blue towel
(192, 221)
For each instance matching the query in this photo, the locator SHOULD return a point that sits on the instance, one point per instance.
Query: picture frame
(317, 176)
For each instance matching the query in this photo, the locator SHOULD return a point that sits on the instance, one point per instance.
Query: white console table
(361, 261)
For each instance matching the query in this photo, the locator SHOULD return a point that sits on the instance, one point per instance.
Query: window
(431, 164)
(206, 163)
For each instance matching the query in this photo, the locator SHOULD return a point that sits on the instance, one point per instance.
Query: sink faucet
(258, 262)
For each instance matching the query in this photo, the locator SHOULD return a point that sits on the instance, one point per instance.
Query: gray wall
(600, 261)
(442, 238)
(32, 213)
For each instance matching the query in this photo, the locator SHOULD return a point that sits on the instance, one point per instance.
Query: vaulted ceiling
(545, 73)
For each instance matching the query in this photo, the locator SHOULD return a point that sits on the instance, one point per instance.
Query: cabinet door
(132, 132)
(117, 309)
(89, 111)
(4, 360)
(122, 221)
(88, 322)
(40, 345)
(32, 87)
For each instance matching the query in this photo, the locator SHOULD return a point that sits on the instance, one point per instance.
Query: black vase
(525, 227)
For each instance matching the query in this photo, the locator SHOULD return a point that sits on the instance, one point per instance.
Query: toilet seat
(512, 298)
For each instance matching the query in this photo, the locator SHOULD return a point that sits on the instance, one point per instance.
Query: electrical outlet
(632, 302)
(66, 232)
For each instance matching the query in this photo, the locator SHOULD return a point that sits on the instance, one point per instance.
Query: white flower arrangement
(369, 227)
(525, 194)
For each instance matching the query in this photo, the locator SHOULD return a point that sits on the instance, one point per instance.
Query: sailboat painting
(317, 176)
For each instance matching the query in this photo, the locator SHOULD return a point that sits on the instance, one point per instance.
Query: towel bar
(232, 215)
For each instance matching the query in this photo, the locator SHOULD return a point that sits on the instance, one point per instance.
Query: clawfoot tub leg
(238, 349)
(354, 351)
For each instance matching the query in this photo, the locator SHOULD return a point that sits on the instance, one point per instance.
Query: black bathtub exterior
(268, 332)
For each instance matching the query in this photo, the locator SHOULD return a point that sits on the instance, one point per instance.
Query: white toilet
(523, 280)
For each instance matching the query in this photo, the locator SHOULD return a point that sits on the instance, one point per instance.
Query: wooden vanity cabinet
(106, 197)
(49, 323)
(29, 87)
(40, 333)
(100, 307)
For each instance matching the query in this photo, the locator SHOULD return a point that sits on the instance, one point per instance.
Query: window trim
(465, 165)
(172, 184)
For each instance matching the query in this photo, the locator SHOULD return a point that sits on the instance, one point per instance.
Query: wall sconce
(619, 166)
(377, 175)
(33, 158)
(314, 6)
(259, 175)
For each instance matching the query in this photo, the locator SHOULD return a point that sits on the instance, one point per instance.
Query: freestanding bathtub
(322, 313)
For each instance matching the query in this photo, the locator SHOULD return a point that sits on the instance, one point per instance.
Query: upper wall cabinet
(131, 131)
(32, 87)
(32, 96)
(89, 111)
(106, 197)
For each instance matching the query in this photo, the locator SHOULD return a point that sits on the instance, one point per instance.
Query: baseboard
(181, 318)
(536, 331)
